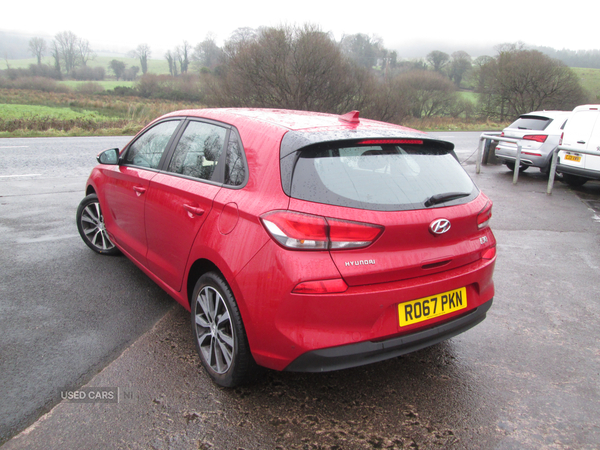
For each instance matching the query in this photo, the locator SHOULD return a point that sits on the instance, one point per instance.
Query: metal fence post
(479, 155)
(552, 173)
(517, 164)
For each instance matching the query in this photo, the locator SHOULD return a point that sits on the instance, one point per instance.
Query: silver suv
(540, 132)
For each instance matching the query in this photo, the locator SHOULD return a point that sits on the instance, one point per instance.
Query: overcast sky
(449, 25)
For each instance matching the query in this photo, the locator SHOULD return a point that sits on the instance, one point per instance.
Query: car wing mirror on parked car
(110, 156)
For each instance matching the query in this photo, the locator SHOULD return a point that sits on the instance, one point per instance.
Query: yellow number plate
(429, 307)
(573, 158)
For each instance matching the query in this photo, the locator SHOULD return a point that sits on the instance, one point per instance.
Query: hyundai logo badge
(439, 226)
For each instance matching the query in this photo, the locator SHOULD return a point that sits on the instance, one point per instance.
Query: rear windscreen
(384, 177)
(531, 123)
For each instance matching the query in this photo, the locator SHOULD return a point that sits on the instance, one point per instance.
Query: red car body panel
(145, 214)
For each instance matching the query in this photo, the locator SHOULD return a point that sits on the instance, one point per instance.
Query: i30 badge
(439, 226)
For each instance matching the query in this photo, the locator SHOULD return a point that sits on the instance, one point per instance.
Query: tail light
(483, 218)
(536, 137)
(301, 231)
(562, 135)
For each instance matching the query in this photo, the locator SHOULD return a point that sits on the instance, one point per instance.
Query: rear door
(180, 198)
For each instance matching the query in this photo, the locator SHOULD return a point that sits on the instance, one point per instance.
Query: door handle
(193, 210)
(139, 190)
(581, 142)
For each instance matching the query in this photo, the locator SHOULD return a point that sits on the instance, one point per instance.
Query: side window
(235, 169)
(198, 150)
(147, 150)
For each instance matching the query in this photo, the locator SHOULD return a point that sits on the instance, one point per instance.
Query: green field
(590, 80)
(36, 120)
(25, 112)
(32, 112)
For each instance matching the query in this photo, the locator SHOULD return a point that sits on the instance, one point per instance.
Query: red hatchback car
(300, 241)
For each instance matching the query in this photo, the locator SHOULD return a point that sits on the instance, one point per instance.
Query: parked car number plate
(427, 308)
(573, 158)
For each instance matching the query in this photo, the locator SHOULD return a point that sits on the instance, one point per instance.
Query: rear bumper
(353, 355)
(510, 154)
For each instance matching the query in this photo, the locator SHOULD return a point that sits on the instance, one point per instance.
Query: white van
(582, 132)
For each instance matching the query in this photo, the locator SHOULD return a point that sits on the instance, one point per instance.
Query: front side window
(384, 177)
(198, 151)
(148, 149)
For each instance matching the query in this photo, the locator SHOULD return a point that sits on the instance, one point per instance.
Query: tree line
(305, 68)
(302, 67)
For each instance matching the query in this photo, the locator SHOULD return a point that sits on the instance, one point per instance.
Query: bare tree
(142, 52)
(6, 58)
(438, 60)
(67, 44)
(459, 66)
(363, 49)
(429, 93)
(207, 54)
(37, 47)
(241, 35)
(71, 51)
(182, 54)
(519, 81)
(55, 50)
(84, 52)
(296, 68)
(172, 61)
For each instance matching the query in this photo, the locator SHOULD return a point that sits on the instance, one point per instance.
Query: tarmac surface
(526, 378)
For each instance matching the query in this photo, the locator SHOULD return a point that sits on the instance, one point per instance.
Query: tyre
(511, 167)
(219, 332)
(90, 224)
(573, 180)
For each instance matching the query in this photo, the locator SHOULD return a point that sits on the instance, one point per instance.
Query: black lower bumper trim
(354, 355)
(585, 173)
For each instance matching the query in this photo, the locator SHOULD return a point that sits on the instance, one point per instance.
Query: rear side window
(384, 177)
(198, 150)
(531, 123)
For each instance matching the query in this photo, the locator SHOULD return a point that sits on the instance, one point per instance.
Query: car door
(181, 197)
(126, 192)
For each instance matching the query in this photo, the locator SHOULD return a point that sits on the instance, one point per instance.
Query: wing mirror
(110, 156)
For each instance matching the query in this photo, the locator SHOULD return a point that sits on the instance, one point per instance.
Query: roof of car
(299, 129)
(288, 119)
(549, 114)
(587, 108)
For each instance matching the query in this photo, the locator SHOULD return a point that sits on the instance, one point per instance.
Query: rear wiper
(446, 197)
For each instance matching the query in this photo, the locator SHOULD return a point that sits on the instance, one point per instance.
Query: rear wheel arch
(199, 268)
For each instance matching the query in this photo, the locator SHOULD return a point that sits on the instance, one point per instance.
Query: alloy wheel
(214, 330)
